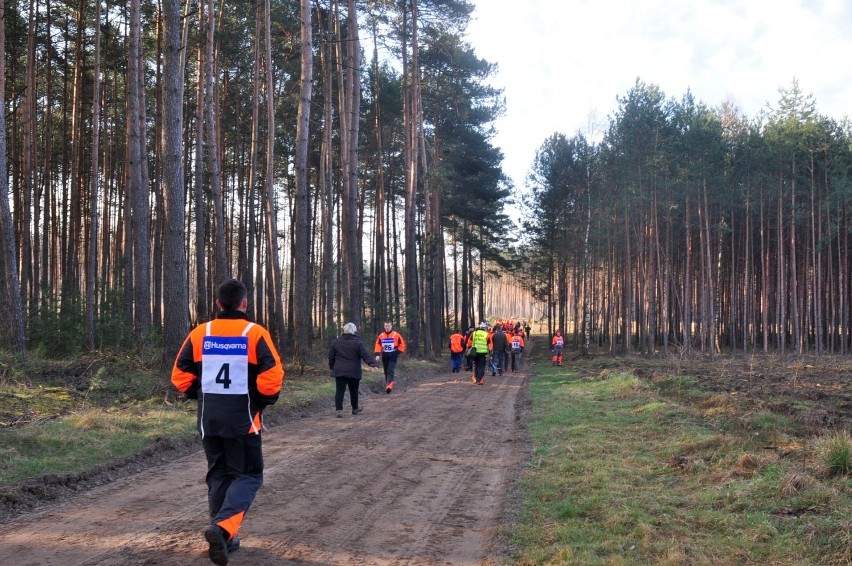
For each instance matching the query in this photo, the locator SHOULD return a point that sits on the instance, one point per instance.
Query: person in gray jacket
(344, 359)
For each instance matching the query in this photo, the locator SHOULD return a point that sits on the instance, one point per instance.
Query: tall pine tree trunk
(301, 245)
(202, 308)
(326, 182)
(410, 127)
(175, 273)
(254, 147)
(14, 309)
(137, 189)
(92, 251)
(221, 268)
(275, 298)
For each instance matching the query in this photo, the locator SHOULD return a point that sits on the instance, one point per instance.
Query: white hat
(483, 324)
(350, 328)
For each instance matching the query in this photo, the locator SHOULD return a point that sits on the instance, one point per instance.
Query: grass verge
(632, 471)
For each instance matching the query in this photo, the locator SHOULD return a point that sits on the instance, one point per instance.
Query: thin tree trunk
(410, 127)
(380, 307)
(275, 298)
(202, 309)
(254, 147)
(587, 315)
(794, 279)
(221, 268)
(326, 181)
(29, 158)
(140, 208)
(92, 252)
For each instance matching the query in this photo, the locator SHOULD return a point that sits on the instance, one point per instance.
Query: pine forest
(338, 158)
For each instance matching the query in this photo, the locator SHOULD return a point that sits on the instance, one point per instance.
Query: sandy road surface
(418, 478)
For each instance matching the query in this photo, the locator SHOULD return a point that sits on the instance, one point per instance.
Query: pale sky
(563, 62)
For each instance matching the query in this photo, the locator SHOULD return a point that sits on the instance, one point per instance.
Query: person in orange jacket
(230, 365)
(558, 342)
(516, 347)
(456, 350)
(389, 344)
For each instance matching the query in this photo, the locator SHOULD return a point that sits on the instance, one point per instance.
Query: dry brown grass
(794, 482)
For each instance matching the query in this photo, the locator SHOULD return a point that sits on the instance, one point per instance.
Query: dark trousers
(455, 360)
(497, 362)
(516, 360)
(389, 365)
(234, 474)
(342, 383)
(479, 372)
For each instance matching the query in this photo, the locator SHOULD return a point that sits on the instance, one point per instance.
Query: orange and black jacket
(232, 367)
(457, 343)
(389, 343)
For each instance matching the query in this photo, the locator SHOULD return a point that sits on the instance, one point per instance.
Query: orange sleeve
(401, 343)
(270, 375)
(378, 348)
(184, 370)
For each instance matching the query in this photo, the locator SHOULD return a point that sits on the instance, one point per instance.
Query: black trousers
(342, 383)
(234, 474)
(516, 360)
(389, 365)
(479, 370)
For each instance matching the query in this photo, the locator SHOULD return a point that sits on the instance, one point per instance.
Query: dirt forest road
(420, 477)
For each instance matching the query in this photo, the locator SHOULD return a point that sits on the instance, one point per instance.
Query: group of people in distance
(499, 347)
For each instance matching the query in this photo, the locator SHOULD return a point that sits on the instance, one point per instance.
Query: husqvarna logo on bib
(224, 365)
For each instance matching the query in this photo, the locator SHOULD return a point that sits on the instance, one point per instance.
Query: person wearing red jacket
(516, 347)
(558, 343)
(389, 344)
(230, 365)
(456, 349)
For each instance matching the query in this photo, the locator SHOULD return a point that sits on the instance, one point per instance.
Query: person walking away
(344, 360)
(469, 358)
(456, 350)
(479, 342)
(499, 347)
(558, 342)
(230, 365)
(517, 348)
(389, 344)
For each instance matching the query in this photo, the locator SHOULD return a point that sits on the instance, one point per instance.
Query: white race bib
(388, 344)
(224, 365)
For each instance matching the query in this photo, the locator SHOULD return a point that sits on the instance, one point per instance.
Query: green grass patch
(631, 471)
(71, 444)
